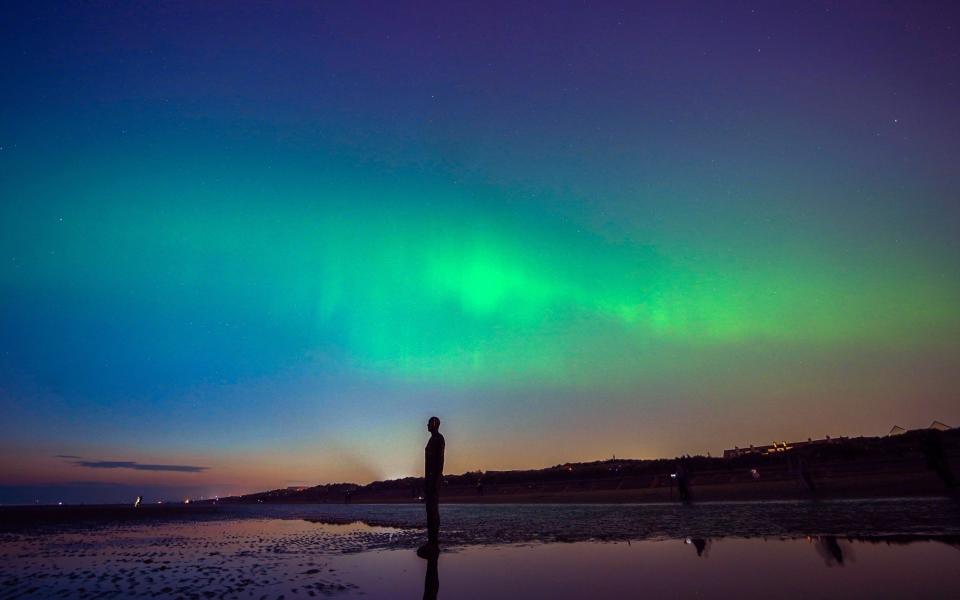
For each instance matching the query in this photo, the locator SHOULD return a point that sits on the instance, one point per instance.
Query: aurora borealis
(270, 240)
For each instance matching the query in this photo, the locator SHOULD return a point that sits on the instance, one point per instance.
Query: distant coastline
(915, 463)
(918, 463)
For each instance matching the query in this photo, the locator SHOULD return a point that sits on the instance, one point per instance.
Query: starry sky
(254, 245)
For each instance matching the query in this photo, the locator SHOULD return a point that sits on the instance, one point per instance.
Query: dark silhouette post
(431, 581)
(432, 474)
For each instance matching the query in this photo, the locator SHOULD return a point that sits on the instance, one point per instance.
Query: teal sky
(270, 242)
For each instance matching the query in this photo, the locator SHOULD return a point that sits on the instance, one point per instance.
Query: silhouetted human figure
(431, 581)
(432, 474)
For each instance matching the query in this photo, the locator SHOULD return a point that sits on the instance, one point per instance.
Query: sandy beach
(858, 548)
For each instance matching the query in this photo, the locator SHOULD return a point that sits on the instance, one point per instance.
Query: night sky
(253, 245)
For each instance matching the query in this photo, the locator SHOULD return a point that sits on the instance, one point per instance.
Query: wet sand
(894, 548)
(14, 518)
(231, 558)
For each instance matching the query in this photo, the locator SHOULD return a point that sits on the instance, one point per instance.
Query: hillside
(920, 462)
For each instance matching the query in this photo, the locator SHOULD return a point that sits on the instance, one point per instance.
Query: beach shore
(13, 518)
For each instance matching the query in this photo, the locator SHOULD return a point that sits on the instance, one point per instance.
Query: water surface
(890, 548)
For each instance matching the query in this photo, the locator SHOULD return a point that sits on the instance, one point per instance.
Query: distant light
(673, 475)
(187, 501)
(59, 503)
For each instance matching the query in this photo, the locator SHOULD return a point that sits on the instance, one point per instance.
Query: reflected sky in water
(297, 552)
(728, 567)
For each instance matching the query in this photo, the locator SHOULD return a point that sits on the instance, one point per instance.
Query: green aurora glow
(274, 239)
(438, 284)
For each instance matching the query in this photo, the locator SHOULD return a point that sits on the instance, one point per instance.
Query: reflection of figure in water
(683, 482)
(433, 472)
(936, 458)
(700, 544)
(431, 581)
(829, 548)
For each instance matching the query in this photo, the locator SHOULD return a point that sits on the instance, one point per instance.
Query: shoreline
(15, 518)
(917, 463)
(704, 487)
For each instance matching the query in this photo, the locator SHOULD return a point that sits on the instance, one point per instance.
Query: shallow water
(891, 548)
(725, 568)
(496, 523)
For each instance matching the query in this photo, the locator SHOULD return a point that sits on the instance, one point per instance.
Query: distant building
(936, 426)
(774, 448)
(777, 447)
